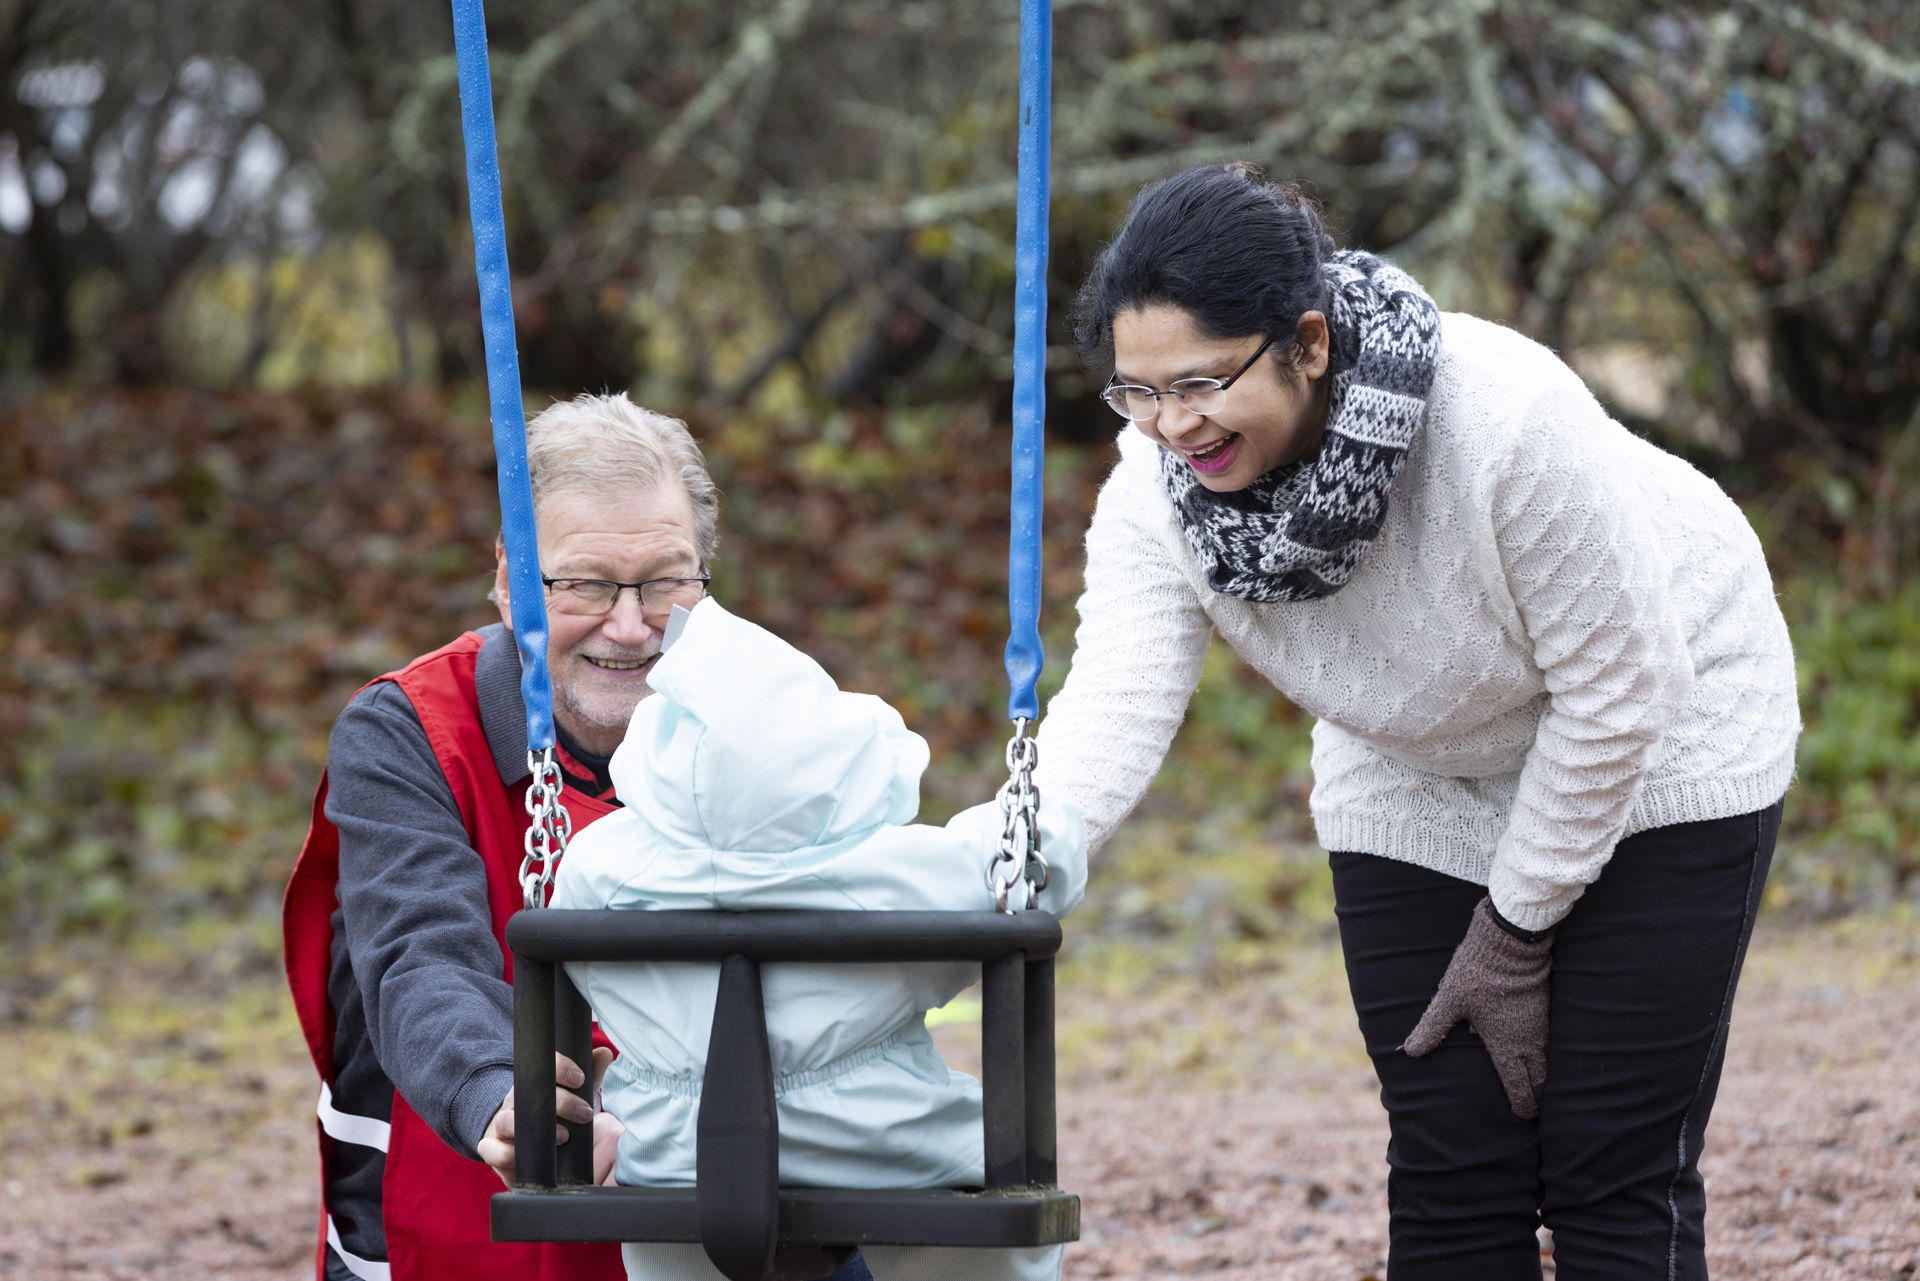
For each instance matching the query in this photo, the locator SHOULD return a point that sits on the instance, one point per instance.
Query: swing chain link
(1018, 857)
(550, 830)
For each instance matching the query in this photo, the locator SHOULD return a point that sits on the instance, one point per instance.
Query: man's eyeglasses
(595, 596)
(1200, 395)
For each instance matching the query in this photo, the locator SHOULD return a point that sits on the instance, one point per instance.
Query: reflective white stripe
(365, 1269)
(345, 1127)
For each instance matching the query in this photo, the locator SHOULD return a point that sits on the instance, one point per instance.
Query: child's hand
(496, 1146)
(606, 1146)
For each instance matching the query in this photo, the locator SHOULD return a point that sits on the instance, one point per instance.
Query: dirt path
(1226, 1130)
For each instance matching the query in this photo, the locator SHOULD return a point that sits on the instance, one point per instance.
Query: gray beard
(587, 720)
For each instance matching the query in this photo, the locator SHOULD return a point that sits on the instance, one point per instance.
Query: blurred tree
(1761, 169)
(137, 144)
(767, 198)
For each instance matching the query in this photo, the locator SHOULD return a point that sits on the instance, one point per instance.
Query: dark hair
(1240, 254)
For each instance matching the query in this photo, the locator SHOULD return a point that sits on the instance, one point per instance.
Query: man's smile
(618, 664)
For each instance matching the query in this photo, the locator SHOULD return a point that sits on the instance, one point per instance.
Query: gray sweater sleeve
(419, 933)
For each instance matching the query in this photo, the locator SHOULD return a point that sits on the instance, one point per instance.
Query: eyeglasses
(1199, 395)
(595, 596)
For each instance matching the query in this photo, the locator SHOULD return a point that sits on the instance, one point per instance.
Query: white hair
(601, 444)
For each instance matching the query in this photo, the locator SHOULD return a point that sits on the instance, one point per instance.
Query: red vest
(435, 1200)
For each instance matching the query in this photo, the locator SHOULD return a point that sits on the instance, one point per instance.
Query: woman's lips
(1217, 457)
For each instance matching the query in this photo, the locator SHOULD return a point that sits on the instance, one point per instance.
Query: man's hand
(496, 1146)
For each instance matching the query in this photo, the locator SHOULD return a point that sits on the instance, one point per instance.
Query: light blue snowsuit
(750, 781)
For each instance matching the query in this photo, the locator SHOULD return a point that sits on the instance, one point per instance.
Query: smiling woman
(1276, 418)
(1555, 702)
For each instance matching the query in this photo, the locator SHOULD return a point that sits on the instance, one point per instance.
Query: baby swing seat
(737, 1210)
(750, 1227)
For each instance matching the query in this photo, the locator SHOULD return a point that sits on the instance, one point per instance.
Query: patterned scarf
(1299, 532)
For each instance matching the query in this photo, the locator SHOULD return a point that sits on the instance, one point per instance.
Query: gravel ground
(1229, 1129)
(1812, 1161)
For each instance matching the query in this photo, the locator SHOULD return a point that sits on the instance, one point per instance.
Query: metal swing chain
(1018, 857)
(550, 830)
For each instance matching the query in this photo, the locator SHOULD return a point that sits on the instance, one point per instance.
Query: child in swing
(750, 781)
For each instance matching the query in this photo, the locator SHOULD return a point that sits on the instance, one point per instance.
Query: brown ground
(1228, 1130)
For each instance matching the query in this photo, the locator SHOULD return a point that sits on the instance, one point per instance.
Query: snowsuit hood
(748, 745)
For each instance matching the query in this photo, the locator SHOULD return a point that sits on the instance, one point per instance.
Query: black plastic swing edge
(1002, 1217)
(609, 934)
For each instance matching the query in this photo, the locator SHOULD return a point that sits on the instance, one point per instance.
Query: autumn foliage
(193, 584)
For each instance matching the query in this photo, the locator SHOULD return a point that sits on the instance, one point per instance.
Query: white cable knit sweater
(1561, 636)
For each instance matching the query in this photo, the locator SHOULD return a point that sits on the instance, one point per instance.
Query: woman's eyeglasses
(1199, 395)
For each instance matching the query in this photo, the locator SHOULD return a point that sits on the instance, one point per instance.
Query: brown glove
(1497, 981)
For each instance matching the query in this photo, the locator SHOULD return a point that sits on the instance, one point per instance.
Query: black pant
(1644, 969)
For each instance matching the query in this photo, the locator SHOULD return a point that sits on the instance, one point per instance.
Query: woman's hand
(496, 1145)
(1498, 983)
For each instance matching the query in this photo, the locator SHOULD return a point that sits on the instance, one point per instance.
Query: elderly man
(395, 913)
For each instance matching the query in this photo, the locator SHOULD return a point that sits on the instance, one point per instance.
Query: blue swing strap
(1018, 857)
(547, 834)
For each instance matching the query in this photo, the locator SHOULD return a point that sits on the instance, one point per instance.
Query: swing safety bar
(737, 1211)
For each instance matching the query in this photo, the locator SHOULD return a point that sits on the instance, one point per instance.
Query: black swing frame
(737, 1211)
